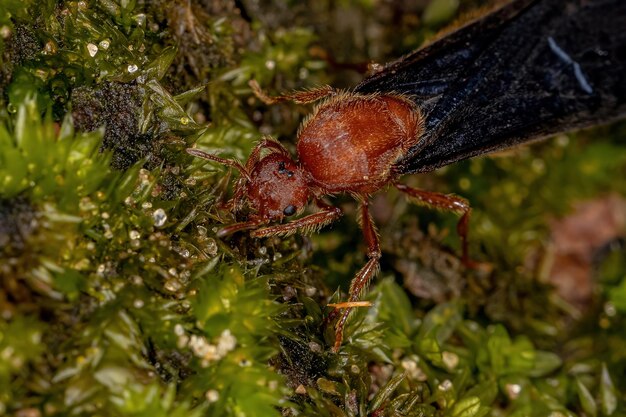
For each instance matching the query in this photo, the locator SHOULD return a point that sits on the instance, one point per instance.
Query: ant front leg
(238, 227)
(299, 97)
(307, 224)
(446, 202)
(362, 278)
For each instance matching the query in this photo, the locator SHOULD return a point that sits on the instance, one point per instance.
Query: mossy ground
(117, 298)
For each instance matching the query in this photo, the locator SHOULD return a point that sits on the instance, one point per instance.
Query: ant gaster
(349, 144)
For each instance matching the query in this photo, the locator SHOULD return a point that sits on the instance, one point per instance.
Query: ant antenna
(298, 97)
(229, 162)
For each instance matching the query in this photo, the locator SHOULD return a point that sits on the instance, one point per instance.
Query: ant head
(277, 187)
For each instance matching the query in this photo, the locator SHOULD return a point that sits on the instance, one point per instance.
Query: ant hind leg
(447, 202)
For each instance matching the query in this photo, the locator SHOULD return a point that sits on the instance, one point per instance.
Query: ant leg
(363, 277)
(447, 202)
(306, 224)
(299, 97)
(237, 227)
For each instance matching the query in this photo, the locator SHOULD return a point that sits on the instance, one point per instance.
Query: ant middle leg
(362, 278)
(448, 202)
(298, 97)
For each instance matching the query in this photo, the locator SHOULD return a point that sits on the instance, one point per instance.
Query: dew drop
(513, 390)
(450, 359)
(104, 44)
(609, 309)
(445, 385)
(159, 217)
(92, 49)
(5, 32)
(140, 19)
(134, 235)
(132, 68)
(212, 396)
(211, 247)
(138, 303)
(184, 121)
(270, 64)
(172, 285)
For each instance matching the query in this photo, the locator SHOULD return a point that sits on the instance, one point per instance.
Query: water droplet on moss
(212, 396)
(211, 247)
(104, 44)
(445, 385)
(172, 285)
(92, 49)
(140, 19)
(159, 217)
(5, 32)
(132, 68)
(134, 235)
(451, 359)
(513, 390)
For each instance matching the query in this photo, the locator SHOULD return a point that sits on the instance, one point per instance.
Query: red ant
(349, 144)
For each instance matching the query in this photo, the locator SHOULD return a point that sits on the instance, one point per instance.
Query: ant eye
(289, 210)
(283, 170)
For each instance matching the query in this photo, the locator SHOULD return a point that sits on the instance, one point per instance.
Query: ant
(349, 144)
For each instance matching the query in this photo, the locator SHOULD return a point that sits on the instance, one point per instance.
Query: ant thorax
(351, 142)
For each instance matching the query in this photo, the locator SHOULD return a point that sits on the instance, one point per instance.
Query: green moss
(117, 298)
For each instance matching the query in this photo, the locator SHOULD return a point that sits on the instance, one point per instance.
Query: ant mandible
(349, 144)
